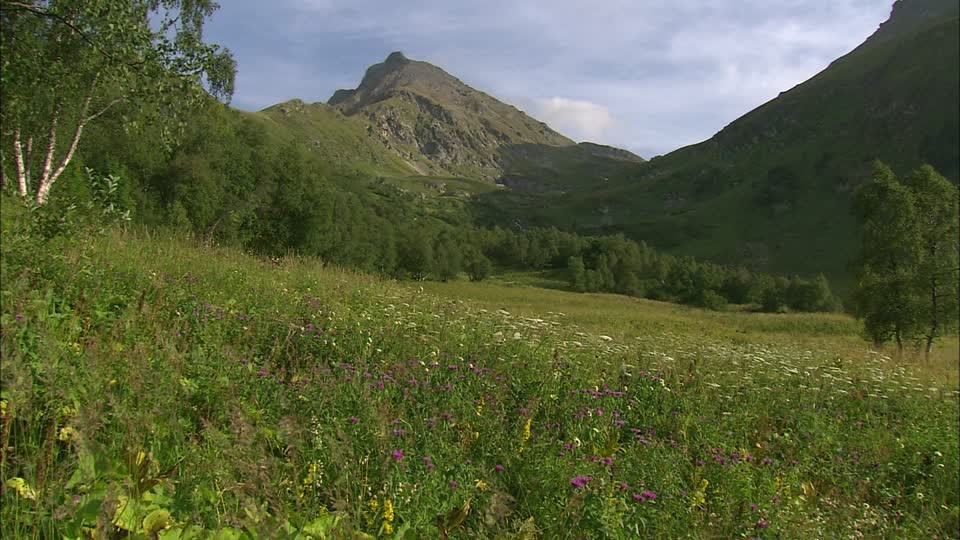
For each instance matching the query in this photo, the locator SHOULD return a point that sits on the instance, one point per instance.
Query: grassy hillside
(772, 189)
(331, 137)
(153, 386)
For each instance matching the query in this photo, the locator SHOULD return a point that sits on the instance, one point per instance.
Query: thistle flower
(579, 481)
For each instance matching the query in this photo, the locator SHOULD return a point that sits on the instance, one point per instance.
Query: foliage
(68, 62)
(151, 387)
(908, 266)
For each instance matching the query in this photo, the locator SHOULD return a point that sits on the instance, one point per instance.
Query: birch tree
(907, 283)
(66, 63)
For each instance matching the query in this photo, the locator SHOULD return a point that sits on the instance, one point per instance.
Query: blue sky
(647, 75)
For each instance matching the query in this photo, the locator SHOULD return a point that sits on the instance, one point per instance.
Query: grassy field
(158, 389)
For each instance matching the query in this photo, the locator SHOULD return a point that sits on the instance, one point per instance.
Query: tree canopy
(66, 63)
(908, 265)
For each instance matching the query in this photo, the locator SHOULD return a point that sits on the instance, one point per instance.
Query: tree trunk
(50, 176)
(44, 185)
(934, 321)
(18, 159)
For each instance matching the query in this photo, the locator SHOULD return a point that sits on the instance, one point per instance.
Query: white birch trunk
(18, 159)
(43, 187)
(50, 176)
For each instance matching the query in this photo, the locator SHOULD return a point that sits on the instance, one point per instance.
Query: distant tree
(710, 300)
(740, 287)
(577, 273)
(773, 298)
(67, 62)
(477, 266)
(415, 254)
(907, 268)
(938, 270)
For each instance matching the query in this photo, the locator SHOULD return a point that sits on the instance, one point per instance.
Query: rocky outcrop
(415, 108)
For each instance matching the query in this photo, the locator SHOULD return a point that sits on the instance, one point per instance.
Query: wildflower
(397, 454)
(388, 510)
(607, 461)
(579, 481)
(762, 524)
(354, 420)
(19, 316)
(453, 484)
(22, 488)
(263, 373)
(645, 495)
(498, 468)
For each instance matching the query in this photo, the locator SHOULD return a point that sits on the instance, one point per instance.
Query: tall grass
(155, 388)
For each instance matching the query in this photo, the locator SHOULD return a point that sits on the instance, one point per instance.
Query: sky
(650, 76)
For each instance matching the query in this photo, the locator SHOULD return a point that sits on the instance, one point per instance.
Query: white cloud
(579, 119)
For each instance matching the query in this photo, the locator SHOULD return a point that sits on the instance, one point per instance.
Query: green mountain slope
(329, 135)
(772, 189)
(419, 111)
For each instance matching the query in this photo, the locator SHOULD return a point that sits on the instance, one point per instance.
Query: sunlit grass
(155, 387)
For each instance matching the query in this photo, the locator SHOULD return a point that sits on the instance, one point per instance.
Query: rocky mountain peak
(420, 111)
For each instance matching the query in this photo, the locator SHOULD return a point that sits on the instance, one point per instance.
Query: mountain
(772, 190)
(436, 122)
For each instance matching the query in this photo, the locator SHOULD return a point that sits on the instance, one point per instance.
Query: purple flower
(19, 316)
(607, 461)
(453, 484)
(645, 495)
(354, 420)
(263, 373)
(762, 524)
(579, 481)
(397, 454)
(498, 468)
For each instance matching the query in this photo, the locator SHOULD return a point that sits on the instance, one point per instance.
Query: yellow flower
(481, 485)
(526, 430)
(22, 488)
(387, 529)
(387, 510)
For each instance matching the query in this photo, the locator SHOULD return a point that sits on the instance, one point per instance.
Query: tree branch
(83, 35)
(46, 182)
(113, 102)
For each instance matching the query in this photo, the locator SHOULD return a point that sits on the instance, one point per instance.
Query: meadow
(153, 387)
